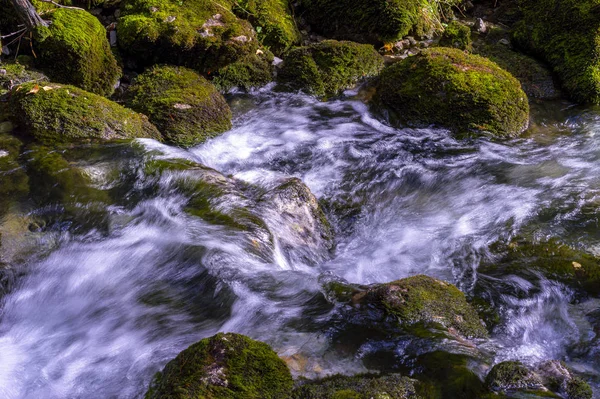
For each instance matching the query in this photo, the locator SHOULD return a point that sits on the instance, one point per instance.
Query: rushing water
(99, 311)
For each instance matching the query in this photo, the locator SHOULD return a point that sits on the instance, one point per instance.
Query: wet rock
(296, 219)
(480, 26)
(556, 260)
(377, 21)
(569, 47)
(392, 386)
(224, 366)
(204, 35)
(558, 378)
(74, 50)
(185, 107)
(512, 376)
(278, 30)
(456, 35)
(51, 113)
(464, 93)
(13, 180)
(422, 299)
(327, 68)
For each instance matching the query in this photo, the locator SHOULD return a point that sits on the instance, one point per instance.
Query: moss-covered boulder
(557, 377)
(392, 386)
(50, 113)
(457, 35)
(555, 259)
(204, 35)
(512, 375)
(327, 68)
(273, 22)
(74, 49)
(376, 21)
(224, 366)
(297, 220)
(186, 108)
(462, 92)
(13, 74)
(423, 300)
(252, 71)
(565, 33)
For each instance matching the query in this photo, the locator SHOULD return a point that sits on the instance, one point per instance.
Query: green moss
(186, 108)
(16, 74)
(74, 50)
(362, 386)
(252, 71)
(228, 366)
(578, 389)
(421, 299)
(376, 21)
(462, 92)
(512, 376)
(51, 113)
(273, 21)
(457, 35)
(201, 34)
(327, 68)
(555, 259)
(565, 34)
(13, 179)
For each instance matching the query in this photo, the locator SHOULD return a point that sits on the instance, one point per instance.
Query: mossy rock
(376, 21)
(50, 114)
(184, 106)
(536, 79)
(228, 366)
(512, 375)
(327, 68)
(73, 49)
(457, 35)
(579, 389)
(204, 35)
(462, 92)
(273, 21)
(555, 259)
(565, 33)
(252, 71)
(423, 299)
(13, 74)
(362, 386)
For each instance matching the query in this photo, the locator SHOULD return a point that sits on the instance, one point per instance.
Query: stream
(99, 310)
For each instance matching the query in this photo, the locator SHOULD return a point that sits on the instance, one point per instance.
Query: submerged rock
(424, 300)
(376, 21)
(327, 68)
(186, 108)
(296, 219)
(556, 260)
(74, 50)
(464, 93)
(204, 35)
(51, 114)
(224, 366)
(392, 386)
(564, 33)
(278, 29)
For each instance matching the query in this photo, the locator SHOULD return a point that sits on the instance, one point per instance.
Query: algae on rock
(327, 68)
(565, 33)
(50, 113)
(73, 49)
(224, 366)
(204, 35)
(462, 92)
(185, 107)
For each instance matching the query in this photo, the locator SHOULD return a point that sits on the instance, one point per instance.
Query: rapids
(98, 311)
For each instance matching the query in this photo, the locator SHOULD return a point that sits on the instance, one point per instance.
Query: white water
(103, 312)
